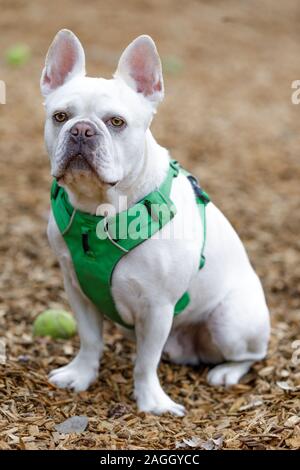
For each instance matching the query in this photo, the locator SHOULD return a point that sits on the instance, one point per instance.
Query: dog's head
(96, 128)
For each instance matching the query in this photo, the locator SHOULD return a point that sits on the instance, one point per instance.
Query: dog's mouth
(79, 165)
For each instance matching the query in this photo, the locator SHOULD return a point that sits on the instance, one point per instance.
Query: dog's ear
(65, 59)
(140, 68)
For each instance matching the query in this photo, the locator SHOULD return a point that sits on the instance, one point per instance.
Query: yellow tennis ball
(55, 323)
(18, 54)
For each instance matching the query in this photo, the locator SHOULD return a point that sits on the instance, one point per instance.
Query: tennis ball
(54, 323)
(172, 64)
(18, 54)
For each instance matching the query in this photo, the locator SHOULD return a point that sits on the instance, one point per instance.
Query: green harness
(97, 243)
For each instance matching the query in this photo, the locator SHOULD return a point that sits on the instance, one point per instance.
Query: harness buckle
(161, 210)
(198, 190)
(150, 210)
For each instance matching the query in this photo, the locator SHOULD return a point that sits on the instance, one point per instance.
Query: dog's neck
(143, 179)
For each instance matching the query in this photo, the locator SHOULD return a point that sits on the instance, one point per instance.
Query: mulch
(228, 117)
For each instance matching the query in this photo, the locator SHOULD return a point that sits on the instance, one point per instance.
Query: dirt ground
(228, 117)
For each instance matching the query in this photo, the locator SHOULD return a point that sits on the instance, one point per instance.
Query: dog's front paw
(156, 401)
(73, 376)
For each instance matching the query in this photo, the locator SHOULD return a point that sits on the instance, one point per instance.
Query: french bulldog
(226, 323)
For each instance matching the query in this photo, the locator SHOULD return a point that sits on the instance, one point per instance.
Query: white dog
(119, 162)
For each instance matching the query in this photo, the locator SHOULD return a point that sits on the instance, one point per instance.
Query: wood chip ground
(228, 117)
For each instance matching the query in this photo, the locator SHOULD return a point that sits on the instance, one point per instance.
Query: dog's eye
(117, 122)
(60, 117)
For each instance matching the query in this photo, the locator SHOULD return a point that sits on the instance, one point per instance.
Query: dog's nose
(83, 129)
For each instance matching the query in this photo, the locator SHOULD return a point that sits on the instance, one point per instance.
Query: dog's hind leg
(191, 345)
(240, 328)
(228, 373)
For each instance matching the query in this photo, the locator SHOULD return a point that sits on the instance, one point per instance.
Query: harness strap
(202, 199)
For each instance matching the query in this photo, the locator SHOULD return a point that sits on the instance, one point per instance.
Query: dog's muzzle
(80, 148)
(82, 138)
